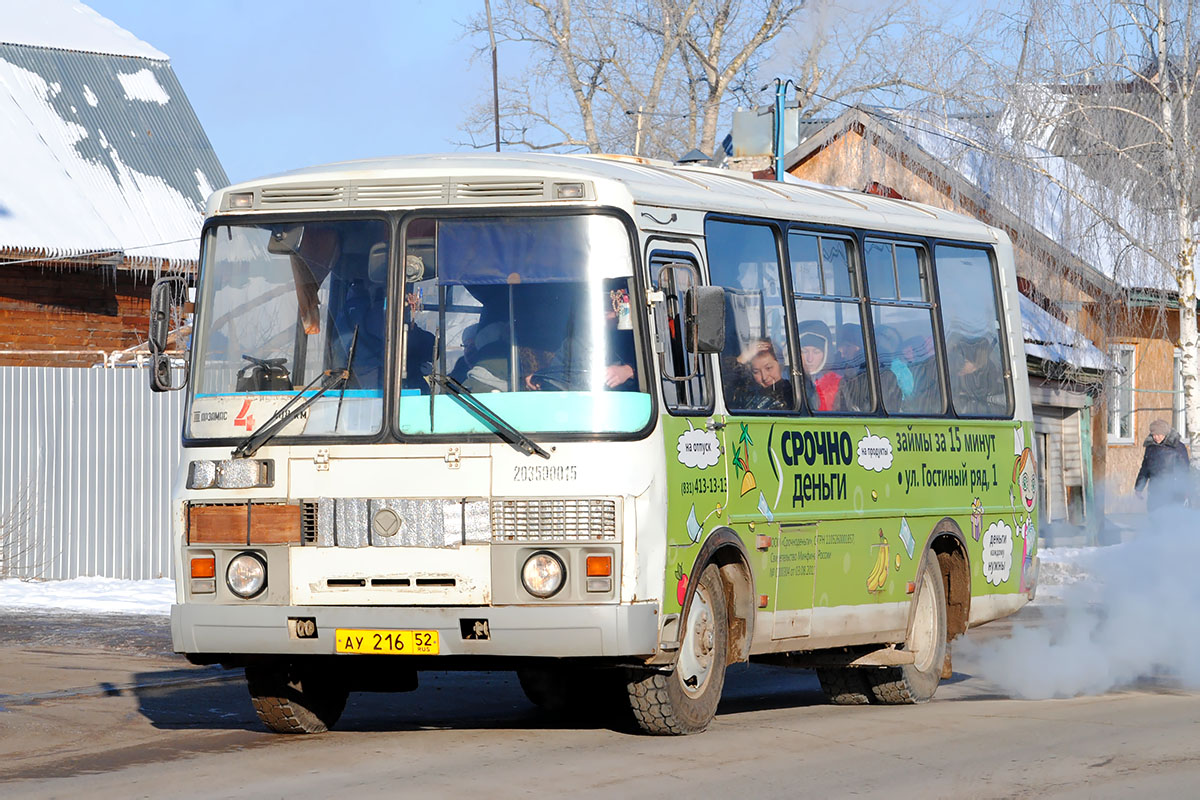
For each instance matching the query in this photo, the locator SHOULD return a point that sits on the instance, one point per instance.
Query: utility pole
(495, 73)
(637, 139)
(780, 94)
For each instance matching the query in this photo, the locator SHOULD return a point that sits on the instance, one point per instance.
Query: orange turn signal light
(204, 567)
(599, 566)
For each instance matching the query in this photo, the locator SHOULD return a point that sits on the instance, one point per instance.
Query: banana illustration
(879, 574)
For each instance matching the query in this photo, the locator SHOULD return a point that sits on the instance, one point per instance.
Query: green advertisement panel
(837, 512)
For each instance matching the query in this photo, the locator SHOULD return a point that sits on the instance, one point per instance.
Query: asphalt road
(99, 708)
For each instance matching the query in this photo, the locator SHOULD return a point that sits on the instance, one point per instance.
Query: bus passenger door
(796, 553)
(686, 385)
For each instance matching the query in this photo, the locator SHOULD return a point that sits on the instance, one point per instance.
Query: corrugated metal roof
(101, 152)
(1051, 340)
(68, 25)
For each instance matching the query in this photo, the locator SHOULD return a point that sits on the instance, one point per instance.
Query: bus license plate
(403, 643)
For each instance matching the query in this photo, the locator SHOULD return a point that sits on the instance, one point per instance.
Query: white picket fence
(87, 457)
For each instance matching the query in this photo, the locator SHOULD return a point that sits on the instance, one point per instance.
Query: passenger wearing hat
(821, 383)
(1164, 468)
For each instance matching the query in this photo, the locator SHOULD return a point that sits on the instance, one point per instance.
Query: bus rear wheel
(685, 700)
(291, 699)
(845, 686)
(926, 639)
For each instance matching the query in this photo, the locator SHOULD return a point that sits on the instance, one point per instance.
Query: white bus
(609, 422)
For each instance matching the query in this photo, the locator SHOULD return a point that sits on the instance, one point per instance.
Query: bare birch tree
(1100, 111)
(848, 52)
(660, 77)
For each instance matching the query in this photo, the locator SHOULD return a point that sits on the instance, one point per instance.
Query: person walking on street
(1164, 468)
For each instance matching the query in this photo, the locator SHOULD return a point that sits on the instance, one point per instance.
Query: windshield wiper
(329, 379)
(493, 420)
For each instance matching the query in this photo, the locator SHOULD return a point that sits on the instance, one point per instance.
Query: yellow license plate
(404, 643)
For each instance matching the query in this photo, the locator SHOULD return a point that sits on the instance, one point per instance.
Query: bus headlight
(246, 575)
(543, 574)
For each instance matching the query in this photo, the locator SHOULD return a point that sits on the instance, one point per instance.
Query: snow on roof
(1057, 199)
(101, 153)
(1051, 340)
(68, 25)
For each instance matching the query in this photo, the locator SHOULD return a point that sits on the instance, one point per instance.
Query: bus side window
(902, 313)
(419, 312)
(979, 380)
(756, 364)
(694, 395)
(829, 327)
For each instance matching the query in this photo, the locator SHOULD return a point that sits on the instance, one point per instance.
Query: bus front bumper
(540, 631)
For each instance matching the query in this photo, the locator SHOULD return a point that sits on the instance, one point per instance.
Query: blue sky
(280, 84)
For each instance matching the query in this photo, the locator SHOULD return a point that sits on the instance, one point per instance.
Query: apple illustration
(681, 583)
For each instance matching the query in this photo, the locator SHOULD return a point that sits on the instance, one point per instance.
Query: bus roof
(529, 178)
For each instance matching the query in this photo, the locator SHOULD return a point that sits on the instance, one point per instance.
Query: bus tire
(290, 700)
(845, 686)
(592, 694)
(549, 689)
(926, 638)
(684, 700)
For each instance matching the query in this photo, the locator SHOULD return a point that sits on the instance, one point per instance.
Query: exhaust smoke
(1131, 616)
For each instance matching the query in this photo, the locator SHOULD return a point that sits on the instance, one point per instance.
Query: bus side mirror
(706, 319)
(167, 294)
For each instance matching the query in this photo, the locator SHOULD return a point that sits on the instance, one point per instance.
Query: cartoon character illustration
(976, 518)
(879, 572)
(1025, 479)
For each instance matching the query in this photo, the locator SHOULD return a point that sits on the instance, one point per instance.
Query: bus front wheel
(685, 700)
(290, 699)
(926, 639)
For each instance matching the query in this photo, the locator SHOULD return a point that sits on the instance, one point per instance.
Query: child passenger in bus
(820, 382)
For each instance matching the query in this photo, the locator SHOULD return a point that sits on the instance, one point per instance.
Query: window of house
(1120, 394)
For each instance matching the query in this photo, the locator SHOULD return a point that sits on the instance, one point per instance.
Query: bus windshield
(280, 305)
(531, 315)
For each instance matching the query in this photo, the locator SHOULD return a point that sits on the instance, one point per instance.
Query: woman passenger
(769, 390)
